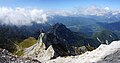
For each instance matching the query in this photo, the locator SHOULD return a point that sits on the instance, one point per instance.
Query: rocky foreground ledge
(103, 54)
(6, 57)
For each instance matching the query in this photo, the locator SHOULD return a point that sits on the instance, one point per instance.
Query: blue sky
(60, 4)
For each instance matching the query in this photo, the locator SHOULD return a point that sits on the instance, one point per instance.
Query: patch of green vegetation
(27, 42)
(24, 44)
(19, 53)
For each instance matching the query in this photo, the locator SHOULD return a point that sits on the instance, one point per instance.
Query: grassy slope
(25, 44)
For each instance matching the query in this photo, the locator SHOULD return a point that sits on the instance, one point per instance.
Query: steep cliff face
(38, 51)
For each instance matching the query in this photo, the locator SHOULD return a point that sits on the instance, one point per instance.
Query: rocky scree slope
(103, 54)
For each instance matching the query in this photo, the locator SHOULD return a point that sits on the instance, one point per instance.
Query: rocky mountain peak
(59, 25)
(62, 32)
(58, 28)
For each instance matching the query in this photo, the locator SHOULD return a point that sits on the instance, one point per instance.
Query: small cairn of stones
(6, 57)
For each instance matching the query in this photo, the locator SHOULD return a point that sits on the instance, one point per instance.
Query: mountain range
(69, 34)
(64, 41)
(54, 41)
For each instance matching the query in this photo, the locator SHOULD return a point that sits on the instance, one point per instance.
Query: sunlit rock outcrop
(38, 51)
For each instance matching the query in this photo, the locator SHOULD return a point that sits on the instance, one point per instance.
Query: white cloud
(92, 10)
(21, 16)
(107, 8)
(59, 12)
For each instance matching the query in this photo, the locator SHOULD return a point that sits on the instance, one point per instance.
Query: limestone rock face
(103, 54)
(37, 51)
